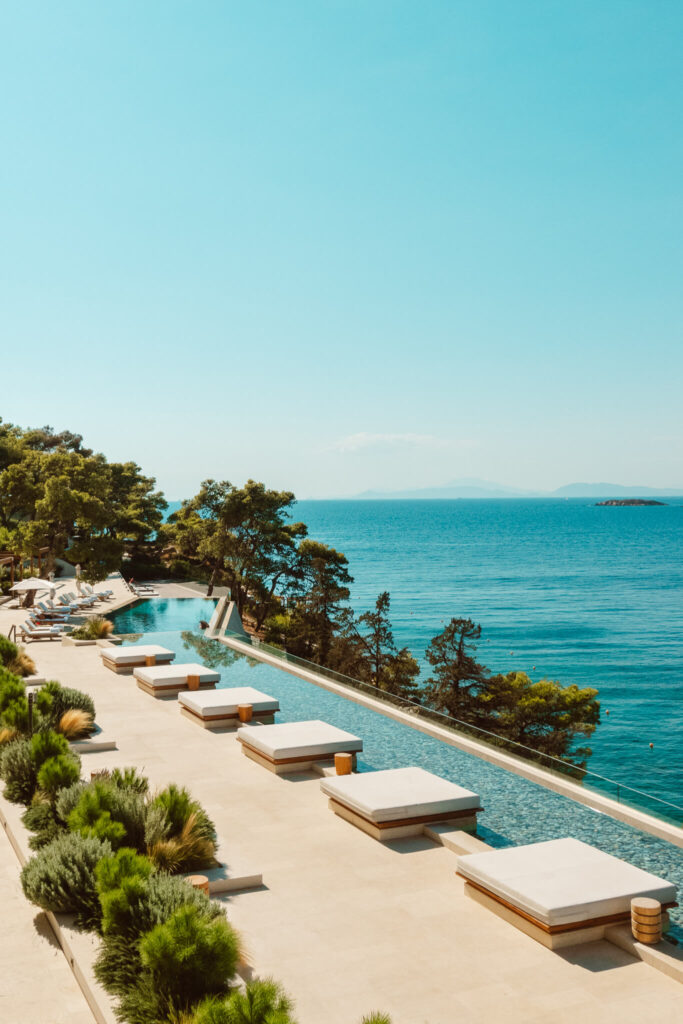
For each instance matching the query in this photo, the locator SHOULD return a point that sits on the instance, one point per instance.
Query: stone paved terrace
(36, 983)
(346, 923)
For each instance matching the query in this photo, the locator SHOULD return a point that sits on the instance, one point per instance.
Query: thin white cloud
(363, 442)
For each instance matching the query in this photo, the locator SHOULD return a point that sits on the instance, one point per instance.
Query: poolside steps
(663, 957)
(455, 839)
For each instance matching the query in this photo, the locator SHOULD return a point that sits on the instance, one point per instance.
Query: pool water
(516, 811)
(158, 614)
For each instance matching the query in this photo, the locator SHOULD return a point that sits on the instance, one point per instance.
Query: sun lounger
(79, 602)
(296, 746)
(169, 680)
(63, 609)
(101, 595)
(41, 621)
(82, 600)
(45, 611)
(144, 592)
(124, 660)
(29, 631)
(400, 802)
(561, 892)
(217, 709)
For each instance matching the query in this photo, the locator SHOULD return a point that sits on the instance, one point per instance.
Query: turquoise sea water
(562, 589)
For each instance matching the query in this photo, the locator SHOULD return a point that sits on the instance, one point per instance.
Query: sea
(563, 589)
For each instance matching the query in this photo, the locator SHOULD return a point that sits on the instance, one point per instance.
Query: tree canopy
(544, 715)
(243, 536)
(59, 495)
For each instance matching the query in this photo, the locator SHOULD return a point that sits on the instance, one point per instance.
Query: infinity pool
(516, 811)
(163, 614)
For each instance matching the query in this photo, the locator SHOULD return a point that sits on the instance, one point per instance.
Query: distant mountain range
(469, 487)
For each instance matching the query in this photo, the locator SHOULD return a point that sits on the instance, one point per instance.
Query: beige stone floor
(36, 983)
(346, 923)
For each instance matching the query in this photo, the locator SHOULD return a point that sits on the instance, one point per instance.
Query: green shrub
(121, 884)
(47, 744)
(65, 698)
(376, 1018)
(179, 834)
(8, 650)
(96, 628)
(14, 705)
(129, 778)
(263, 1002)
(118, 964)
(109, 811)
(11, 689)
(23, 760)
(67, 800)
(58, 773)
(18, 770)
(178, 806)
(183, 960)
(23, 664)
(40, 819)
(61, 877)
(15, 659)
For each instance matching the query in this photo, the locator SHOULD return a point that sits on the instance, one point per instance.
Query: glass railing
(619, 791)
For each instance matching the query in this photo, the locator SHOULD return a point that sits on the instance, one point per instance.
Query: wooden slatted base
(550, 936)
(170, 689)
(129, 667)
(385, 831)
(287, 765)
(220, 723)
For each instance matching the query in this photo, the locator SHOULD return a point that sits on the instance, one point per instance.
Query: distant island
(629, 501)
(472, 487)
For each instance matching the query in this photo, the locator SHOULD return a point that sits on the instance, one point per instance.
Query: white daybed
(560, 892)
(217, 709)
(296, 746)
(400, 802)
(169, 680)
(126, 659)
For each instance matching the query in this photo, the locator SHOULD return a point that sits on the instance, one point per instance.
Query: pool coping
(596, 801)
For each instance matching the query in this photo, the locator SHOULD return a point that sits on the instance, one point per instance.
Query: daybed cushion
(399, 793)
(224, 702)
(124, 655)
(299, 739)
(563, 881)
(167, 675)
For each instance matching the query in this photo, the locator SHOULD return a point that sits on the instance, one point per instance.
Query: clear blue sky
(339, 245)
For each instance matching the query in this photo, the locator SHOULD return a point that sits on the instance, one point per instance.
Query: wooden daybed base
(288, 765)
(128, 667)
(551, 936)
(171, 689)
(384, 831)
(231, 721)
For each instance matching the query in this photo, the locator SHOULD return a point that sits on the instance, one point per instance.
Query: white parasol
(32, 583)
